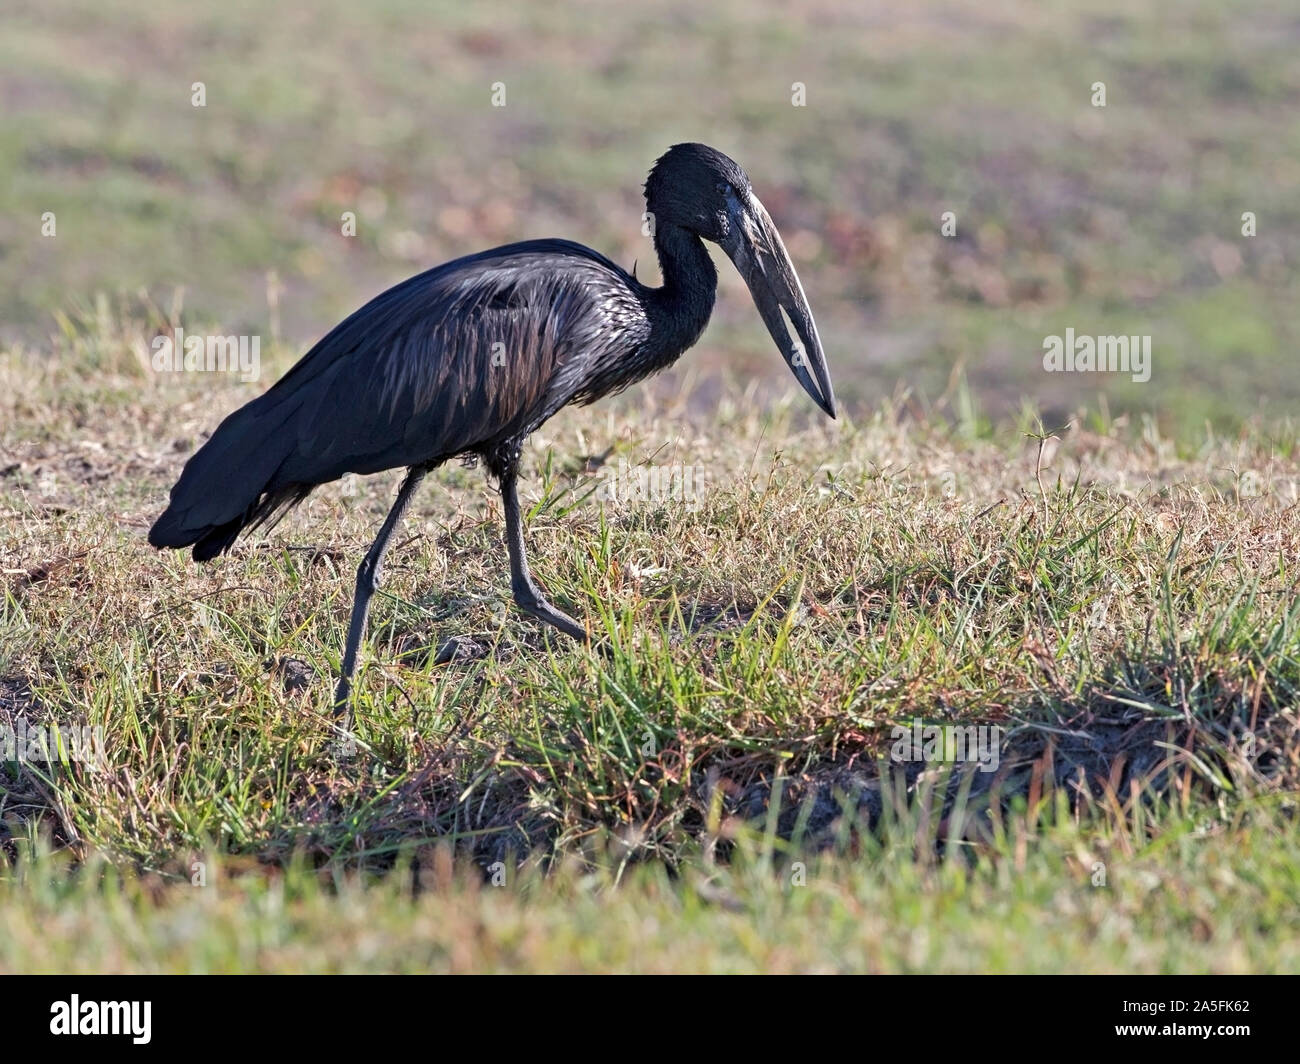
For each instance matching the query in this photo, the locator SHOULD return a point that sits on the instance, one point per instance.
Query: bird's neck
(680, 309)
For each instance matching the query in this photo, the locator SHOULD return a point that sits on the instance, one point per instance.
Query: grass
(1124, 609)
(1207, 896)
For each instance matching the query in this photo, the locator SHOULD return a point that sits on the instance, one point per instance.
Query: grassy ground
(1126, 613)
(1186, 901)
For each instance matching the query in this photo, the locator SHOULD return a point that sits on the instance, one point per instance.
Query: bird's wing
(478, 350)
(457, 359)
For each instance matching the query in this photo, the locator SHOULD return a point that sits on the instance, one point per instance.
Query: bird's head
(700, 189)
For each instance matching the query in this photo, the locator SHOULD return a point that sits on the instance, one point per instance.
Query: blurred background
(1123, 219)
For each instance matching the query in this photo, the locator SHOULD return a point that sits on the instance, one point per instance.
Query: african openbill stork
(472, 356)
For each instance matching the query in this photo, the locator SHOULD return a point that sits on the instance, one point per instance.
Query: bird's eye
(722, 187)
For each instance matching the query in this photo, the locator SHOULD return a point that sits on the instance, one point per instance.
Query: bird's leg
(367, 581)
(528, 595)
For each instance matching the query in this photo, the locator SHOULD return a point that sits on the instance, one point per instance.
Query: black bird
(472, 356)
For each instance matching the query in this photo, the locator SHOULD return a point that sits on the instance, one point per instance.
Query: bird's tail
(231, 483)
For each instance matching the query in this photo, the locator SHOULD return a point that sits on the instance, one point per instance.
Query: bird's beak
(755, 246)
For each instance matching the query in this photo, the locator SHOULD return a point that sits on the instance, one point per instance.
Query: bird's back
(466, 353)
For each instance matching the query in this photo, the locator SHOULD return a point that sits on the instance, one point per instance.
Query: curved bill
(755, 246)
